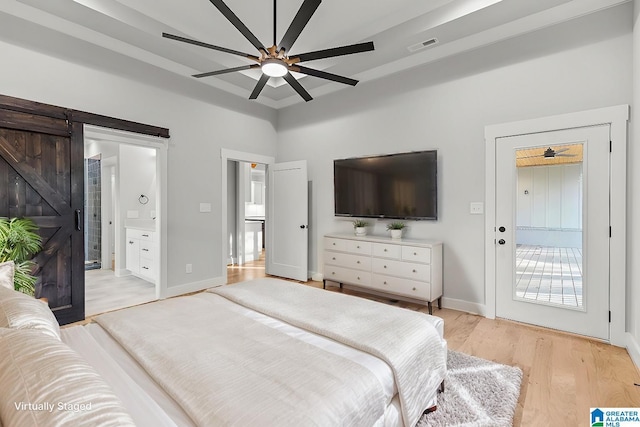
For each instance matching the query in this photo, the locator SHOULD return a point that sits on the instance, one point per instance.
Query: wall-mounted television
(397, 186)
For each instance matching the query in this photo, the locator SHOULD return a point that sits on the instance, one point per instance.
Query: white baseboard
(633, 347)
(315, 276)
(194, 287)
(466, 306)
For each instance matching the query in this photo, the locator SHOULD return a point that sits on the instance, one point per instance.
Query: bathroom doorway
(121, 206)
(246, 204)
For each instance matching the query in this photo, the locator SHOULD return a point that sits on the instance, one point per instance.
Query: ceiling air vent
(416, 47)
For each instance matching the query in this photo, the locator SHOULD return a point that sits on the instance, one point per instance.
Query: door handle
(501, 242)
(78, 219)
(502, 229)
(303, 226)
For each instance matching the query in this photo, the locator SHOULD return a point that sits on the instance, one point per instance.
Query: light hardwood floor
(564, 375)
(105, 292)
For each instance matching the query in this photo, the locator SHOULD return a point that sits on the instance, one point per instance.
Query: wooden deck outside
(549, 275)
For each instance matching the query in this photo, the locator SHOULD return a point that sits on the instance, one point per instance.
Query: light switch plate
(476, 208)
(205, 207)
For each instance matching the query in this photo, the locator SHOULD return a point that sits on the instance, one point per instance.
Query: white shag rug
(478, 392)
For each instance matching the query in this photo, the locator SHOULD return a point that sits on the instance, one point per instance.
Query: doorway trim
(239, 156)
(617, 117)
(161, 145)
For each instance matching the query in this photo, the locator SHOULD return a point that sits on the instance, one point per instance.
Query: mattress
(150, 405)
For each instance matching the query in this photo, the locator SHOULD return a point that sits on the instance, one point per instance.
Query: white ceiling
(132, 29)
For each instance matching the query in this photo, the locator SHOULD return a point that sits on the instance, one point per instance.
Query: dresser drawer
(406, 287)
(359, 247)
(420, 272)
(146, 249)
(359, 262)
(146, 268)
(335, 244)
(147, 235)
(134, 233)
(416, 254)
(345, 275)
(384, 250)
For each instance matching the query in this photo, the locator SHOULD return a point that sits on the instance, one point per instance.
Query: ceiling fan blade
(529, 157)
(256, 90)
(225, 71)
(208, 46)
(562, 150)
(335, 51)
(301, 19)
(231, 17)
(324, 75)
(297, 87)
(565, 155)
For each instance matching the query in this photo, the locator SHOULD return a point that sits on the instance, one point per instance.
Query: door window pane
(549, 217)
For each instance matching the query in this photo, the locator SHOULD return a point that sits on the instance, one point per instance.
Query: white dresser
(404, 269)
(141, 253)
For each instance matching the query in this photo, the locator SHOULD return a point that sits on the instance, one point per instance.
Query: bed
(266, 352)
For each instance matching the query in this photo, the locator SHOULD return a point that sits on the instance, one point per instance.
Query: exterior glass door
(552, 231)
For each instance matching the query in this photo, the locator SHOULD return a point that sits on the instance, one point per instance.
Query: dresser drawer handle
(334, 258)
(145, 235)
(414, 270)
(385, 266)
(333, 272)
(414, 288)
(358, 247)
(415, 253)
(145, 249)
(358, 277)
(385, 282)
(385, 250)
(357, 262)
(334, 243)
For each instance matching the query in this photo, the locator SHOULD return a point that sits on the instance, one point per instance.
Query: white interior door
(552, 229)
(287, 220)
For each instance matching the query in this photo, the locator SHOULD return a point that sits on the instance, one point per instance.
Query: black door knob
(501, 242)
(502, 229)
(303, 226)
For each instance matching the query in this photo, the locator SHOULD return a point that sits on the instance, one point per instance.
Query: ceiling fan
(275, 61)
(550, 153)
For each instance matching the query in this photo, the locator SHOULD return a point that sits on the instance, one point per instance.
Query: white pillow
(7, 270)
(38, 370)
(20, 311)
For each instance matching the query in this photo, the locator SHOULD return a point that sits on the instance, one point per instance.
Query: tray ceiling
(133, 28)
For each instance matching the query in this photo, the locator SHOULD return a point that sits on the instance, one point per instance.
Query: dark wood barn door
(41, 177)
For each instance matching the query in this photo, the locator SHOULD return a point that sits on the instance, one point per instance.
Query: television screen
(399, 186)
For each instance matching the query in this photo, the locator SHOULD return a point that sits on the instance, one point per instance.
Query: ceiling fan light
(274, 68)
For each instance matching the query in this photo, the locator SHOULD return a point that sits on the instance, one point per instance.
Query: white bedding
(404, 339)
(150, 405)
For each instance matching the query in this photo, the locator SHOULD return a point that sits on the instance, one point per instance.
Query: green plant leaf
(19, 241)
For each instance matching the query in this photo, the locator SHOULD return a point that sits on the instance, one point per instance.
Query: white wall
(137, 177)
(550, 197)
(198, 131)
(633, 189)
(446, 105)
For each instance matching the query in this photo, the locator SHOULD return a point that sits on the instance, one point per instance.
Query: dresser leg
(324, 284)
(430, 307)
(440, 303)
(340, 285)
